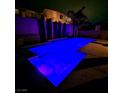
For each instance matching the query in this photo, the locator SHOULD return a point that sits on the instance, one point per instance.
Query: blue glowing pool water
(62, 45)
(57, 58)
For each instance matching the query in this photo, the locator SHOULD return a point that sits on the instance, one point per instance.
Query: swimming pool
(57, 58)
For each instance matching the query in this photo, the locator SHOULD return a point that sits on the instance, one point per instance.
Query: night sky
(96, 10)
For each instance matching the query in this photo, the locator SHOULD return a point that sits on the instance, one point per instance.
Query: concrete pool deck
(96, 50)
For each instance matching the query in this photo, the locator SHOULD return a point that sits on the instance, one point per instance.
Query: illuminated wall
(26, 30)
(33, 30)
(55, 16)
